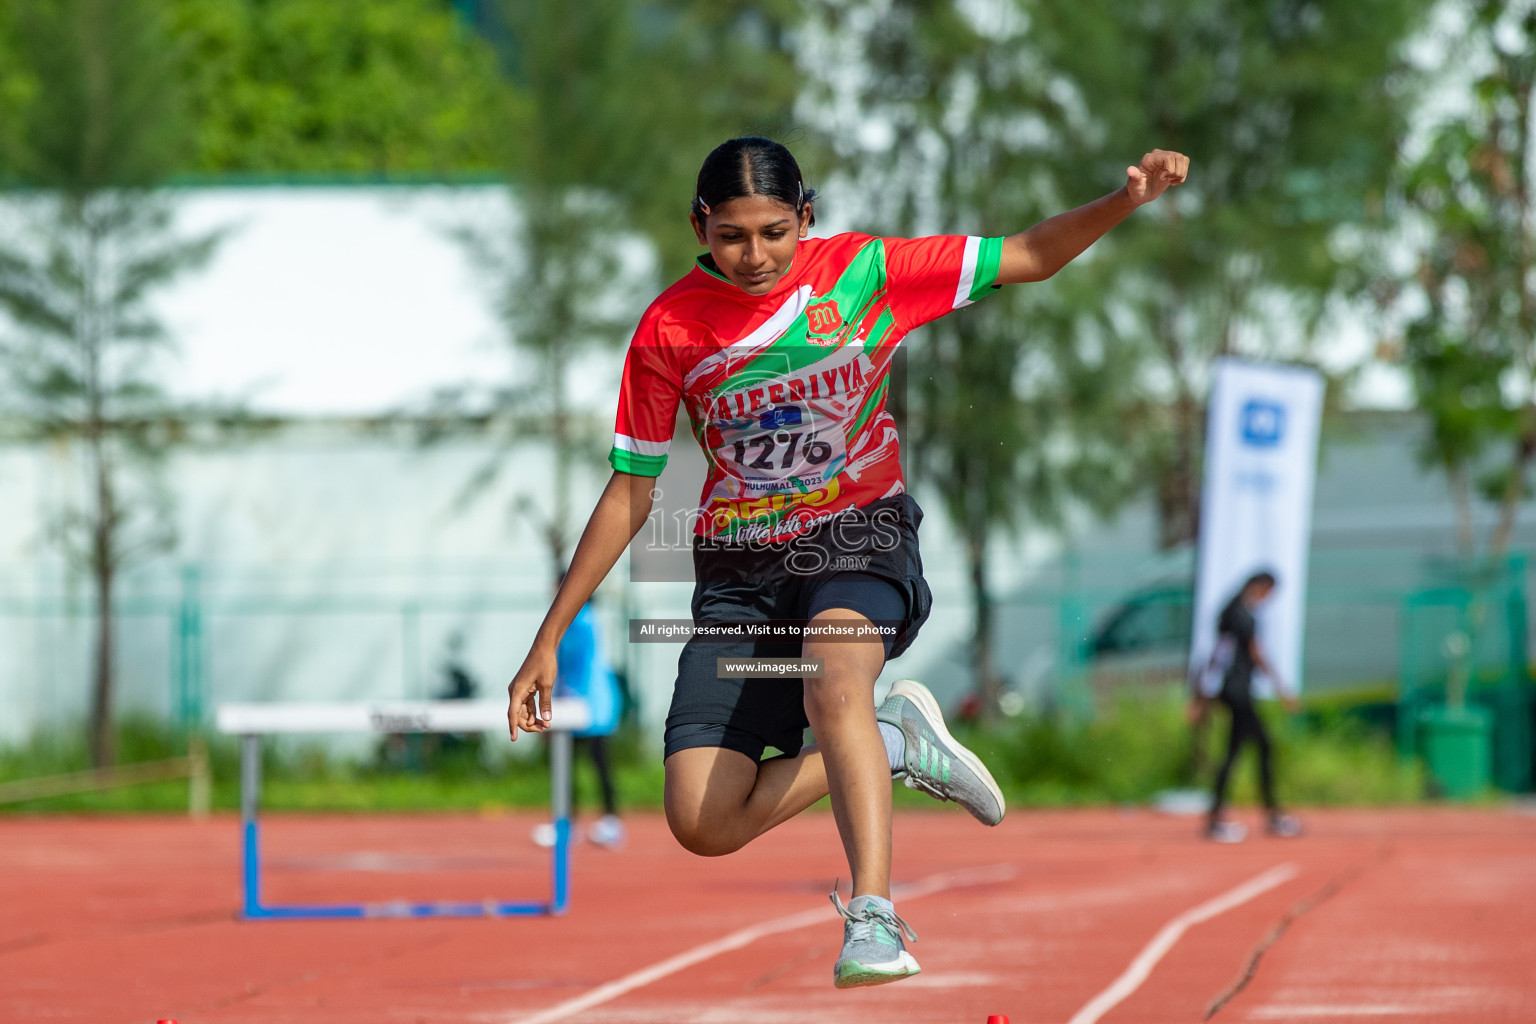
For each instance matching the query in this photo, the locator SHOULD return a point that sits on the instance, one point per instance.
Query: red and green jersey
(786, 391)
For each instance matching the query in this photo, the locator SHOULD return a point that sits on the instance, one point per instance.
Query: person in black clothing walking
(1238, 653)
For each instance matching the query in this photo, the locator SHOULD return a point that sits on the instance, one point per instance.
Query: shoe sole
(920, 695)
(861, 976)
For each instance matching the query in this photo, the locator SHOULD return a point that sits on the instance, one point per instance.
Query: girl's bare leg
(719, 800)
(841, 709)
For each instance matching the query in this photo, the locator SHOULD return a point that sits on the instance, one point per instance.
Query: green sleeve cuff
(639, 465)
(989, 262)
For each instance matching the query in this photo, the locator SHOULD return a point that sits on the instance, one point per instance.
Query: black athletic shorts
(867, 561)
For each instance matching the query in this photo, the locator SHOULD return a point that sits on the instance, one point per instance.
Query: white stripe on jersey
(625, 443)
(770, 331)
(968, 271)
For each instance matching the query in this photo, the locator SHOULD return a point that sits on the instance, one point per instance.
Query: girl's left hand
(1158, 171)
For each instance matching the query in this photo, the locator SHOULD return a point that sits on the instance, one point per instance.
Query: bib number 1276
(762, 448)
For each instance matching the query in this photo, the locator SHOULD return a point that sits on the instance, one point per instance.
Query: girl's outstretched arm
(1036, 254)
(620, 512)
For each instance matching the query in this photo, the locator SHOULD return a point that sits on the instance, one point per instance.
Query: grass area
(1142, 746)
(1126, 755)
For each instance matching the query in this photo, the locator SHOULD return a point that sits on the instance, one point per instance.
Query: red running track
(1391, 916)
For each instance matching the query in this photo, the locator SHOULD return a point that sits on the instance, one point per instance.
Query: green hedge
(1142, 745)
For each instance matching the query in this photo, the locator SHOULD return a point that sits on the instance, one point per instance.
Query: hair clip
(702, 204)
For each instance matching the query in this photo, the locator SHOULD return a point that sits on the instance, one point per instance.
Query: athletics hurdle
(252, 721)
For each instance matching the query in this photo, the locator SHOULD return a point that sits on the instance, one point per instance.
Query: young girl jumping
(779, 346)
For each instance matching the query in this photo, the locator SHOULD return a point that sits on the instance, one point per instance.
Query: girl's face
(752, 240)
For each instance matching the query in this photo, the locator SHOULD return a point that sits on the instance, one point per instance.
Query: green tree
(986, 118)
(1470, 338)
(622, 99)
(84, 248)
(308, 86)
(943, 133)
(1292, 114)
(15, 86)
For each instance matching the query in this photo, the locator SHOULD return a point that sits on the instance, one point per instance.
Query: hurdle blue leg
(560, 747)
(250, 798)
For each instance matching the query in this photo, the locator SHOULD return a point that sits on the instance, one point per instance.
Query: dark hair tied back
(751, 166)
(1262, 578)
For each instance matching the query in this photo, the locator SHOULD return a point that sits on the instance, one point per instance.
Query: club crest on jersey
(824, 319)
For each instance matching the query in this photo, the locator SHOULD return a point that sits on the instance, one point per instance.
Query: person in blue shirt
(584, 671)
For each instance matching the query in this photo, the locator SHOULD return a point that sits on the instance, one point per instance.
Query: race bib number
(785, 448)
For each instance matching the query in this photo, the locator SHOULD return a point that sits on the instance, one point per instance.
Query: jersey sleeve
(648, 399)
(928, 277)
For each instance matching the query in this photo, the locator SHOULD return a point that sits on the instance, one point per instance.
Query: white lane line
(746, 936)
(1367, 1010)
(1171, 932)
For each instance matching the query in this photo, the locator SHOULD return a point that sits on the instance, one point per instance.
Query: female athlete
(779, 346)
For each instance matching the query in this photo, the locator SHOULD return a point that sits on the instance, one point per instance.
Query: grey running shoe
(1226, 832)
(1284, 826)
(936, 762)
(608, 832)
(873, 951)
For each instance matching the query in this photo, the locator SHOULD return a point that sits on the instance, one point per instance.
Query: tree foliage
(1471, 329)
(621, 101)
(16, 90)
(96, 103)
(81, 255)
(986, 118)
(294, 86)
(1291, 113)
(940, 128)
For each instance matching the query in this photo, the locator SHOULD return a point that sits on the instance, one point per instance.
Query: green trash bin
(1457, 748)
(1509, 709)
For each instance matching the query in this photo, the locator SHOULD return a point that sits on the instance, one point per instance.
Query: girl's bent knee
(703, 840)
(824, 697)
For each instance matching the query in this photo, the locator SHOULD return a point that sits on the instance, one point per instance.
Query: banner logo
(1263, 423)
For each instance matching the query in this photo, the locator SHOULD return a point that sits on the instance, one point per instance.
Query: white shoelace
(867, 918)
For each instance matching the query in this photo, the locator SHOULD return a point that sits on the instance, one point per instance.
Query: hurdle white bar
(252, 721)
(568, 714)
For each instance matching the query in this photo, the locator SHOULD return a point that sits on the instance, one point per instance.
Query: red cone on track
(997, 1018)
(168, 1020)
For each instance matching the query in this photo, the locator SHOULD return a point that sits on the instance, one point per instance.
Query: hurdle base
(254, 909)
(398, 908)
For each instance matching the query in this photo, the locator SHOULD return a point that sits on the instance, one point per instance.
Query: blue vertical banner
(1256, 506)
